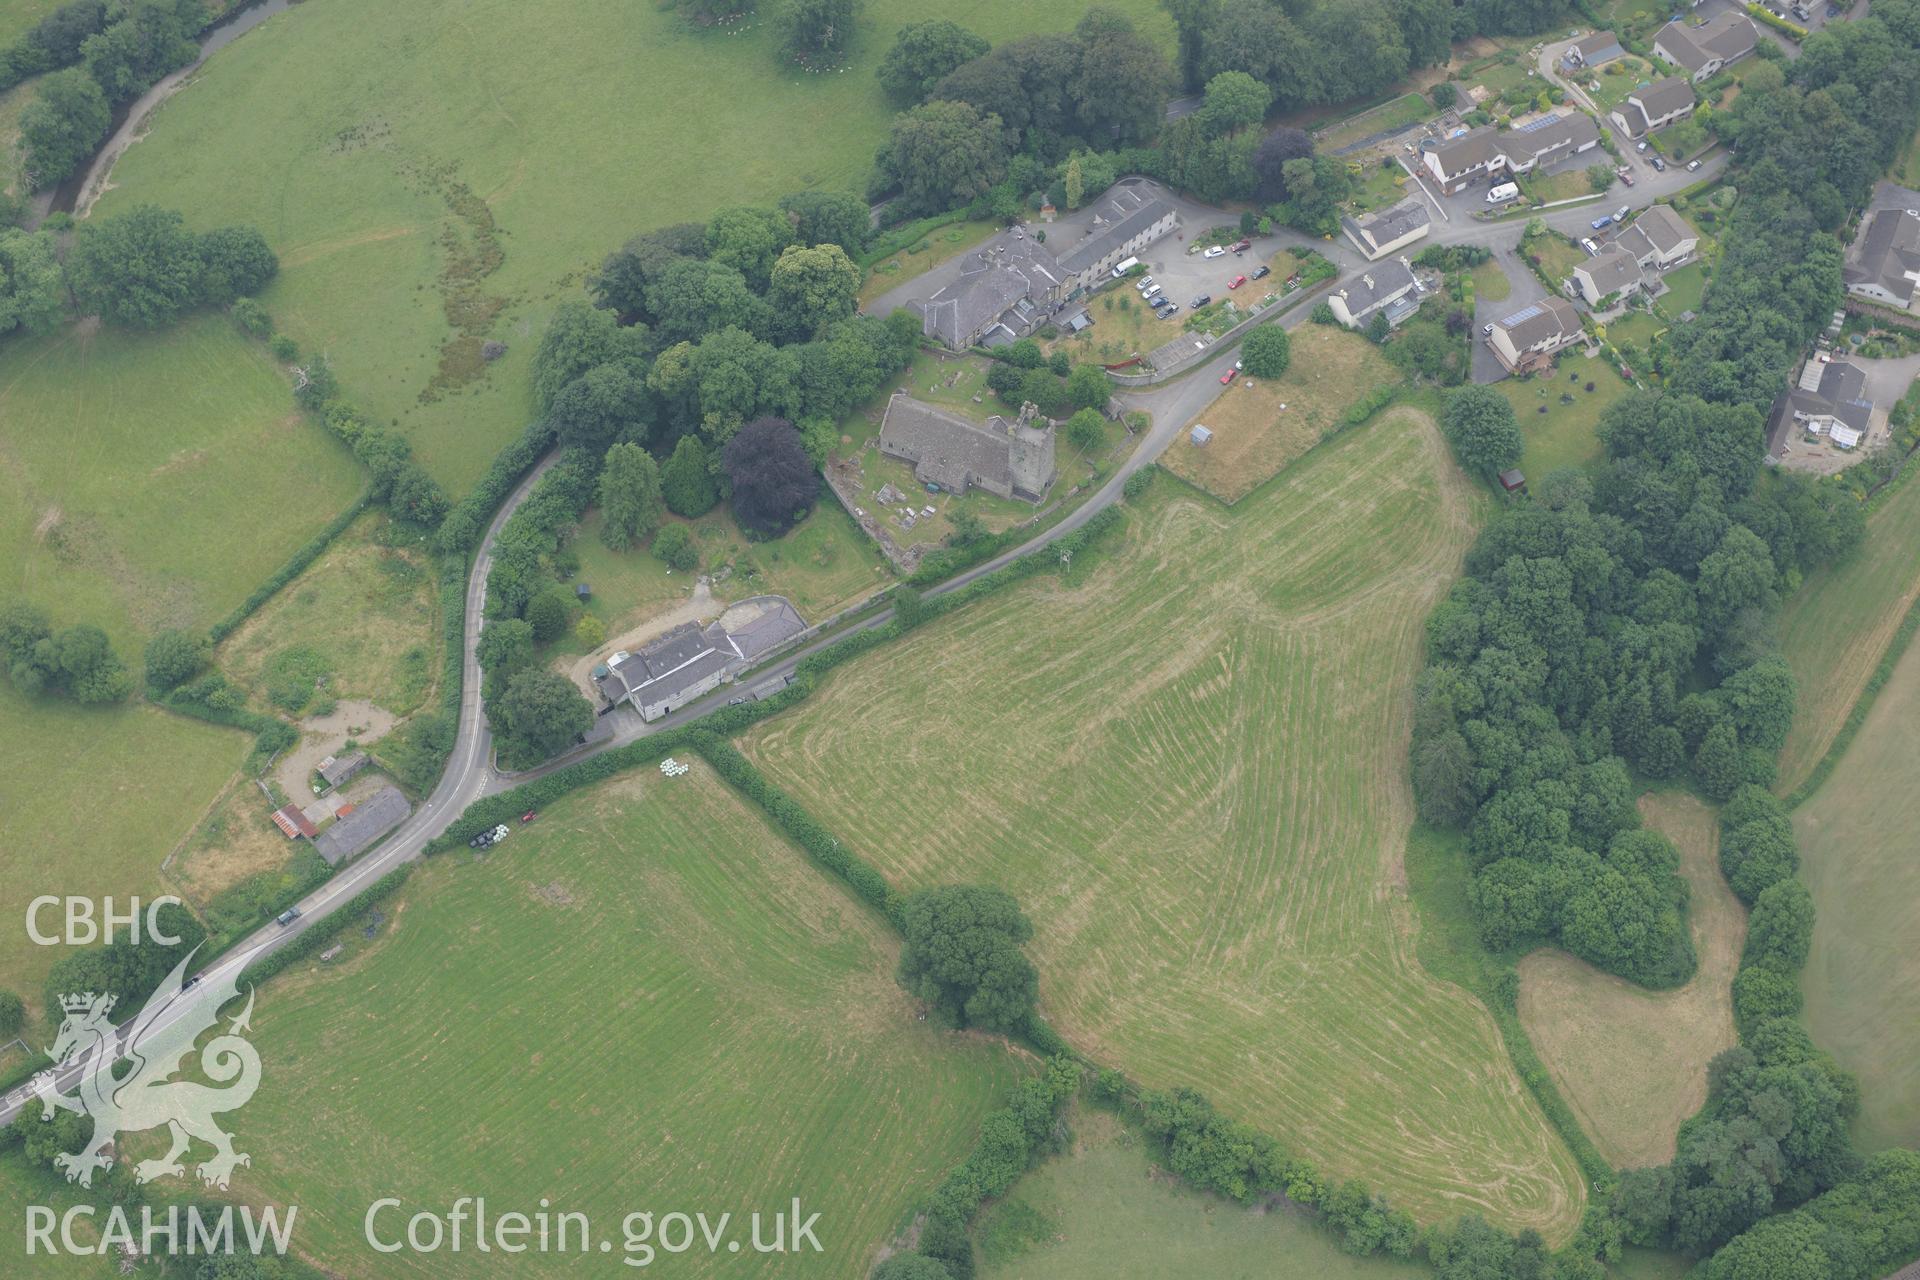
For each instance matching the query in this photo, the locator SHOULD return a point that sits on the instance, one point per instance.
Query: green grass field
(1836, 627)
(154, 480)
(648, 1001)
(345, 131)
(94, 799)
(1191, 769)
(1862, 981)
(1106, 1211)
(1685, 288)
(1402, 112)
(1566, 434)
(22, 1184)
(1490, 283)
(17, 17)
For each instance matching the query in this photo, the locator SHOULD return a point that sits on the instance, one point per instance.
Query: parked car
(1263, 273)
(1216, 251)
(1243, 246)
(1593, 250)
(1144, 284)
(1201, 301)
(1603, 222)
(1236, 282)
(288, 916)
(1659, 165)
(1169, 309)
(1229, 376)
(1620, 214)
(1487, 329)
(1640, 145)
(735, 702)
(1626, 179)
(1692, 165)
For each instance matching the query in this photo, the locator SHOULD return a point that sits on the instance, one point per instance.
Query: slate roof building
(1376, 289)
(1659, 238)
(1660, 104)
(1006, 289)
(1612, 272)
(368, 821)
(1829, 400)
(337, 771)
(1527, 339)
(1125, 220)
(1592, 51)
(1703, 50)
(1009, 459)
(1883, 262)
(1491, 152)
(690, 660)
(1388, 230)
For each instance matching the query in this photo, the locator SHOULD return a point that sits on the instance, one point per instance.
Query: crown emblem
(83, 1002)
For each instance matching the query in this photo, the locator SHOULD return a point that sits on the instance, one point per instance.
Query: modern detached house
(1488, 152)
(1703, 50)
(1883, 263)
(1659, 239)
(1528, 339)
(1591, 51)
(1388, 230)
(1654, 107)
(1612, 274)
(1382, 287)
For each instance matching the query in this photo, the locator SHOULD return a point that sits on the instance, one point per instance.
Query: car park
(1229, 376)
(1263, 273)
(1201, 301)
(1236, 282)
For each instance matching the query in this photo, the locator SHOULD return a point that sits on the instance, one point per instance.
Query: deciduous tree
(630, 502)
(774, 483)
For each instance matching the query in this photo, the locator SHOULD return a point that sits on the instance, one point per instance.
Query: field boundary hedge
(296, 565)
(325, 931)
(1501, 996)
(1862, 706)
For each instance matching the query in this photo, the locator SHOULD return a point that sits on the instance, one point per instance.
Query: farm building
(294, 824)
(1513, 481)
(359, 827)
(337, 771)
(1009, 459)
(690, 660)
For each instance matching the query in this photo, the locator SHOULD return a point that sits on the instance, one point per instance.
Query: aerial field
(91, 800)
(356, 135)
(1835, 629)
(1262, 425)
(646, 1001)
(1105, 1211)
(1862, 981)
(1191, 770)
(1567, 433)
(1632, 1063)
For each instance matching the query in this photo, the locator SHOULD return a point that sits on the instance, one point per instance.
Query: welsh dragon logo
(157, 1044)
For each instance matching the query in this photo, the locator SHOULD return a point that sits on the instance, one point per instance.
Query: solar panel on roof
(1535, 125)
(1525, 313)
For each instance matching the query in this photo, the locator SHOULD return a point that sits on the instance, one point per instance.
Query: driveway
(1888, 380)
(1526, 288)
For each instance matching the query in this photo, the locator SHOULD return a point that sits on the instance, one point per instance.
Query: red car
(1229, 376)
(1243, 246)
(1236, 282)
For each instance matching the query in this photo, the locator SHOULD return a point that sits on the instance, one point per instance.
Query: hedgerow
(321, 932)
(293, 568)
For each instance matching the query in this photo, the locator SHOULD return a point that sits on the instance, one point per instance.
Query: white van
(1504, 192)
(1124, 267)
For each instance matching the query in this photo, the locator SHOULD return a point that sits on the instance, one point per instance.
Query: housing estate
(1654, 106)
(1659, 239)
(1528, 339)
(1388, 230)
(1016, 282)
(1883, 262)
(1489, 151)
(1383, 287)
(1830, 399)
(1702, 51)
(1612, 273)
(682, 664)
(1592, 51)
(1008, 459)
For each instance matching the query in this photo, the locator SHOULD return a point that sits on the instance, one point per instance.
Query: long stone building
(1009, 459)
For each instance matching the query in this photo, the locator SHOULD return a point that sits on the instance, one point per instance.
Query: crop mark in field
(301, 255)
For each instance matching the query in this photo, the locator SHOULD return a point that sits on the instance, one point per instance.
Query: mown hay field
(1632, 1063)
(1862, 981)
(435, 172)
(1836, 628)
(1190, 767)
(1262, 425)
(1106, 1211)
(645, 1001)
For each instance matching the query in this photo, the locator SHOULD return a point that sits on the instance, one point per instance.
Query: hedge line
(1760, 13)
(800, 826)
(464, 525)
(325, 931)
(1861, 706)
(906, 234)
(296, 565)
(270, 735)
(1533, 1073)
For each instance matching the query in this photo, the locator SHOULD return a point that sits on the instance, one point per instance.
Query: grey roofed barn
(372, 818)
(338, 770)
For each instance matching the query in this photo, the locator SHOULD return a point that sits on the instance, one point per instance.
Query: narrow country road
(470, 773)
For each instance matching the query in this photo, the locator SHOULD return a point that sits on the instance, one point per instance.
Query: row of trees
(121, 47)
(142, 269)
(77, 661)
